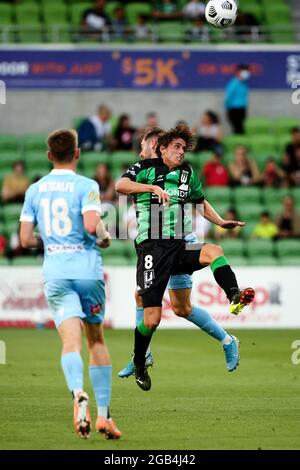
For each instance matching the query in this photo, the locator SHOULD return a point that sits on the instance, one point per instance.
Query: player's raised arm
(128, 187)
(211, 215)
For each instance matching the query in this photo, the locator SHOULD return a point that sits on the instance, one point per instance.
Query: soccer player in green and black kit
(160, 242)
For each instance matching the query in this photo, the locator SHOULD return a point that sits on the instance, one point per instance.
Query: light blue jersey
(56, 203)
(183, 281)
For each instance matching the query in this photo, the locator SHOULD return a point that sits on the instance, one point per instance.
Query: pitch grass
(194, 403)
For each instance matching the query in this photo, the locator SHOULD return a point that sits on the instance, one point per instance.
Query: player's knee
(212, 252)
(151, 323)
(182, 310)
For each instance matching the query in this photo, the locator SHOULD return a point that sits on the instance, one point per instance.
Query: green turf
(194, 402)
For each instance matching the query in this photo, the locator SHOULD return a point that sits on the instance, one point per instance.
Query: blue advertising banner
(144, 69)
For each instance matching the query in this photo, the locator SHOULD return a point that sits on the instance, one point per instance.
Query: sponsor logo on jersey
(148, 278)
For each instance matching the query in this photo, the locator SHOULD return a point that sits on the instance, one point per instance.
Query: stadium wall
(22, 302)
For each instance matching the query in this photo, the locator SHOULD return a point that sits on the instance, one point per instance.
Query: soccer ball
(221, 13)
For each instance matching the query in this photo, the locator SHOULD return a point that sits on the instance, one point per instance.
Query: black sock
(141, 344)
(226, 279)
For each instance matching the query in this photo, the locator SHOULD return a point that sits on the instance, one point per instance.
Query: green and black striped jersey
(154, 220)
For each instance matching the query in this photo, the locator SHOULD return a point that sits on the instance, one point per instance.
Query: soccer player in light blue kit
(66, 208)
(180, 287)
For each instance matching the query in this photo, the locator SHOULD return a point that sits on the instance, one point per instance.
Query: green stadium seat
(4, 261)
(37, 158)
(115, 261)
(260, 247)
(9, 142)
(170, 31)
(274, 208)
(264, 143)
(232, 141)
(283, 140)
(249, 212)
(35, 142)
(27, 261)
(90, 160)
(11, 228)
(27, 13)
(11, 212)
(218, 194)
(258, 125)
(247, 194)
(54, 13)
(284, 125)
(77, 10)
(133, 10)
(8, 158)
(296, 195)
(263, 261)
(123, 158)
(36, 173)
(279, 14)
(221, 208)
(110, 8)
(248, 229)
(289, 261)
(233, 247)
(274, 194)
(5, 14)
(239, 261)
(288, 248)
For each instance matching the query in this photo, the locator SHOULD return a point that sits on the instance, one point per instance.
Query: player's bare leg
(70, 334)
(182, 307)
(213, 256)
(100, 376)
(143, 335)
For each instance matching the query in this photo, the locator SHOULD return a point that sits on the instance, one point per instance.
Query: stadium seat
(11, 228)
(110, 8)
(289, 261)
(8, 158)
(9, 142)
(35, 142)
(263, 261)
(249, 212)
(274, 194)
(5, 14)
(274, 208)
(169, 31)
(248, 229)
(232, 141)
(247, 194)
(283, 140)
(264, 143)
(283, 125)
(258, 125)
(27, 261)
(259, 247)
(123, 158)
(133, 10)
(233, 247)
(77, 10)
(37, 159)
(218, 194)
(198, 159)
(288, 248)
(56, 22)
(239, 261)
(296, 195)
(89, 160)
(11, 212)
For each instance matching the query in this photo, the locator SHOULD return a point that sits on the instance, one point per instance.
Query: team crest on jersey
(184, 176)
(95, 309)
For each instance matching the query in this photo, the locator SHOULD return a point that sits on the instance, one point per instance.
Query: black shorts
(157, 261)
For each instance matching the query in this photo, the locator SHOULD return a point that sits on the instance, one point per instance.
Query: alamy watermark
(295, 98)
(295, 358)
(2, 92)
(2, 352)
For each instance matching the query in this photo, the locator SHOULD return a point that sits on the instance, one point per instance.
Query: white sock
(148, 350)
(76, 391)
(102, 411)
(227, 340)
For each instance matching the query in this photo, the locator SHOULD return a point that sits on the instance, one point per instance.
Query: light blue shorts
(180, 281)
(82, 298)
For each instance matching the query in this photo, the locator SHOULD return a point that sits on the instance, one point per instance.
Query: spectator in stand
(94, 133)
(244, 171)
(167, 10)
(247, 25)
(215, 172)
(105, 182)
(124, 134)
(295, 175)
(151, 122)
(95, 22)
(221, 233)
(141, 29)
(194, 9)
(237, 99)
(15, 185)
(266, 228)
(272, 175)
(119, 24)
(3, 244)
(288, 221)
(198, 30)
(290, 149)
(209, 133)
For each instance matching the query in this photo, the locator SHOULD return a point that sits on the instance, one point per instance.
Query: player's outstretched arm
(211, 215)
(128, 187)
(28, 238)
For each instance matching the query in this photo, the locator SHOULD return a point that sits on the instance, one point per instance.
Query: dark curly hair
(181, 131)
